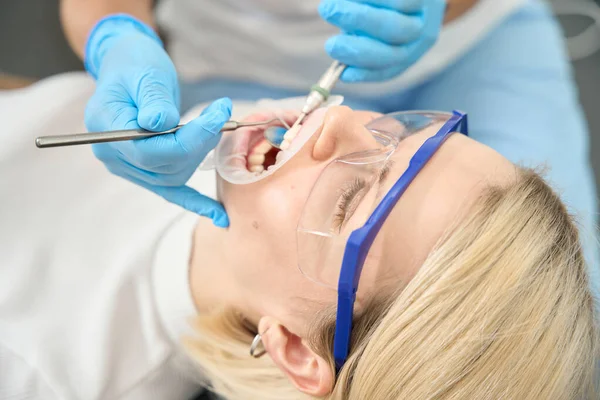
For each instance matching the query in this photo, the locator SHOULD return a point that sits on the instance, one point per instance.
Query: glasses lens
(342, 200)
(348, 191)
(401, 125)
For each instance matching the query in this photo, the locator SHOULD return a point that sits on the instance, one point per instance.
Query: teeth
(289, 136)
(278, 157)
(292, 133)
(256, 159)
(262, 148)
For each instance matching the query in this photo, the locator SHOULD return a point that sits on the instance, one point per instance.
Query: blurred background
(32, 46)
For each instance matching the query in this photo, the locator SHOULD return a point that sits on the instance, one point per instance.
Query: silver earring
(255, 343)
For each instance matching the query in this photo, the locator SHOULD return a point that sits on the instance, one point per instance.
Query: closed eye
(350, 199)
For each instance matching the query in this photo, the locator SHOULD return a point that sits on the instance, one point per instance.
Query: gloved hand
(137, 87)
(380, 39)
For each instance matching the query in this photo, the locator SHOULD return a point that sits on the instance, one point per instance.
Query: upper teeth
(289, 136)
(257, 157)
(262, 148)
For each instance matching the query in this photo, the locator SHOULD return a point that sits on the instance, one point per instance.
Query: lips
(250, 142)
(244, 156)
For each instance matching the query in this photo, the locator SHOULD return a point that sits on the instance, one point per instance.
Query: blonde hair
(501, 309)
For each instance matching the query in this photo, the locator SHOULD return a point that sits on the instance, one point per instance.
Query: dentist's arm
(456, 8)
(78, 17)
(137, 87)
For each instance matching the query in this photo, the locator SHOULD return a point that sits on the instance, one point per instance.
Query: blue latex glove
(381, 38)
(137, 87)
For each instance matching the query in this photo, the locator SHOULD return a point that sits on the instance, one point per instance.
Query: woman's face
(262, 260)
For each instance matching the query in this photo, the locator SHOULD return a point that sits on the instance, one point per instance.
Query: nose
(343, 132)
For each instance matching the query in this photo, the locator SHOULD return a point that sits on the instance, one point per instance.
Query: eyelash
(347, 195)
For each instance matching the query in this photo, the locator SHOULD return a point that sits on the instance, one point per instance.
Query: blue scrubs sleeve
(518, 89)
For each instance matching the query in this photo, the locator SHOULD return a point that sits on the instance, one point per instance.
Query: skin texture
(456, 8)
(252, 266)
(78, 17)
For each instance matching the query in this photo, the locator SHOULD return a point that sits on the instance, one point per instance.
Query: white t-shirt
(94, 292)
(281, 43)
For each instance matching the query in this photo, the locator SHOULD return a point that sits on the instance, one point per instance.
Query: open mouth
(260, 155)
(245, 156)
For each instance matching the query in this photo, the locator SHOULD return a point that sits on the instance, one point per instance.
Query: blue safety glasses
(327, 237)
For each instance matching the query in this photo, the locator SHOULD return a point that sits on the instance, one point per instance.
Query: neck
(212, 273)
(209, 281)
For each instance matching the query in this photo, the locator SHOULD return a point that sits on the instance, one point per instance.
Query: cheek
(274, 202)
(264, 215)
(277, 209)
(279, 205)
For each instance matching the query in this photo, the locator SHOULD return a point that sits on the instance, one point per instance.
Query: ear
(309, 372)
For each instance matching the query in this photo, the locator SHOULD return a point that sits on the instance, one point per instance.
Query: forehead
(441, 194)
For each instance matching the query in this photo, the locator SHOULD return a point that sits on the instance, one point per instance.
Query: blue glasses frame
(360, 240)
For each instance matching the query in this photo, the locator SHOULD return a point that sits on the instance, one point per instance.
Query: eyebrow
(385, 171)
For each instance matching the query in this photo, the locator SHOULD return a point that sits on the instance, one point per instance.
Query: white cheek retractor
(231, 157)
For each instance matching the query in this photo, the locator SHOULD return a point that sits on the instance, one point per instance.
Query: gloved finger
(405, 6)
(191, 200)
(155, 96)
(165, 153)
(117, 166)
(414, 52)
(367, 53)
(103, 152)
(161, 153)
(352, 74)
(195, 202)
(177, 178)
(110, 108)
(109, 153)
(385, 25)
(203, 133)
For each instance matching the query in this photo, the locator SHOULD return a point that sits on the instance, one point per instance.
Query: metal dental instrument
(128, 134)
(319, 93)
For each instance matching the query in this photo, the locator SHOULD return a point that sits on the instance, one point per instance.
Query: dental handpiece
(127, 134)
(319, 93)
